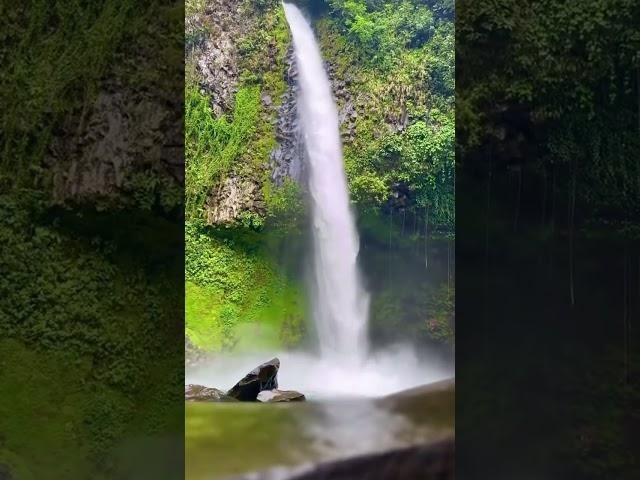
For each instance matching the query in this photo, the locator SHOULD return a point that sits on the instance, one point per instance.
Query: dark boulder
(200, 393)
(273, 396)
(419, 462)
(263, 377)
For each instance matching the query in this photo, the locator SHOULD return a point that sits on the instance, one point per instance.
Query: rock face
(419, 462)
(221, 41)
(232, 197)
(216, 54)
(124, 135)
(200, 393)
(287, 158)
(124, 143)
(345, 100)
(263, 377)
(273, 396)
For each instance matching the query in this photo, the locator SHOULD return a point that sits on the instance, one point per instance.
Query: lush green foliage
(384, 31)
(234, 291)
(232, 285)
(78, 303)
(402, 56)
(398, 58)
(569, 70)
(421, 157)
(214, 145)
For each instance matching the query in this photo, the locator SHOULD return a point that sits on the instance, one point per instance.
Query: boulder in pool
(273, 396)
(263, 377)
(200, 393)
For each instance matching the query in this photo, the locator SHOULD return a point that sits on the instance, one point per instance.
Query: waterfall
(340, 303)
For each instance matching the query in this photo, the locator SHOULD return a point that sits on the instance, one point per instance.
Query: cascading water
(340, 304)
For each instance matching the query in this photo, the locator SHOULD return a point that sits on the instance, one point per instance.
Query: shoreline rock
(263, 377)
(200, 393)
(275, 396)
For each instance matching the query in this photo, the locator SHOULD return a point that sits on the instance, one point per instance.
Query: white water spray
(340, 304)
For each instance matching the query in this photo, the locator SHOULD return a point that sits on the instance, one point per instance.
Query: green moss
(285, 207)
(194, 7)
(440, 305)
(150, 189)
(36, 386)
(213, 146)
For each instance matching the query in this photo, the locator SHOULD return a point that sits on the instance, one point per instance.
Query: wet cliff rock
(212, 41)
(344, 94)
(287, 158)
(233, 196)
(232, 44)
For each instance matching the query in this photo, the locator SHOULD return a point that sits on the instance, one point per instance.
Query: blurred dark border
(91, 239)
(548, 244)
